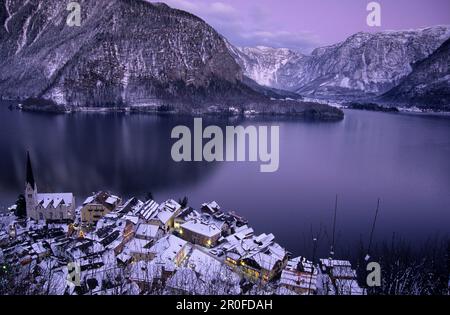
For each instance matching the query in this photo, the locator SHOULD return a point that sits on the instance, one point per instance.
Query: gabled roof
(103, 198)
(147, 230)
(149, 209)
(168, 247)
(196, 226)
(54, 199)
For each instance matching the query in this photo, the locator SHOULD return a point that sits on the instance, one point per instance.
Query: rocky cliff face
(125, 51)
(262, 64)
(428, 85)
(364, 65)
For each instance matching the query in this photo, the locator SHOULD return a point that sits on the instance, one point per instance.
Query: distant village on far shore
(113, 246)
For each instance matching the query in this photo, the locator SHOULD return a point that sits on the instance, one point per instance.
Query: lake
(403, 159)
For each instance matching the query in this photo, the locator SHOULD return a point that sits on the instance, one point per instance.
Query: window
(61, 215)
(41, 216)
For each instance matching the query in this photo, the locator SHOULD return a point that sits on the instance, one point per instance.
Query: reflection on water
(86, 152)
(403, 159)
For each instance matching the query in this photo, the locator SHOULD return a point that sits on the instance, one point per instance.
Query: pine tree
(21, 210)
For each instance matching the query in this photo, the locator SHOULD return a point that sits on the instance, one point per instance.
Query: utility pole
(334, 228)
(373, 229)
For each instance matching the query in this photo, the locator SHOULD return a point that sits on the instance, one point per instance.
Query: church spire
(30, 176)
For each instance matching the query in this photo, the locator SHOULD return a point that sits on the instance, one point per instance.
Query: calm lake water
(403, 159)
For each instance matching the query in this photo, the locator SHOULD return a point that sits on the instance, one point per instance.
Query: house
(167, 212)
(130, 206)
(185, 215)
(146, 274)
(201, 233)
(342, 276)
(148, 232)
(162, 215)
(151, 276)
(84, 251)
(147, 210)
(217, 277)
(185, 282)
(170, 248)
(97, 206)
(266, 264)
(211, 207)
(124, 259)
(40, 249)
(139, 249)
(258, 258)
(299, 276)
(46, 206)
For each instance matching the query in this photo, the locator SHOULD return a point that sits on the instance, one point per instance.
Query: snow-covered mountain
(365, 64)
(428, 85)
(124, 51)
(262, 64)
(127, 53)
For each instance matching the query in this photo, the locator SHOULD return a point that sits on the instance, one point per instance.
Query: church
(47, 206)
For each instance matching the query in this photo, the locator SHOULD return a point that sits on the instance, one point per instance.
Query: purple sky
(306, 24)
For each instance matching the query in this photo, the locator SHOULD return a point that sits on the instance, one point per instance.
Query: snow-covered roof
(305, 265)
(147, 230)
(343, 272)
(168, 247)
(300, 280)
(54, 199)
(243, 232)
(103, 198)
(189, 214)
(328, 262)
(148, 210)
(164, 216)
(137, 245)
(202, 263)
(88, 200)
(186, 280)
(38, 248)
(171, 205)
(196, 226)
(132, 218)
(112, 200)
(209, 270)
(266, 262)
(348, 287)
(143, 271)
(124, 257)
(211, 206)
(284, 291)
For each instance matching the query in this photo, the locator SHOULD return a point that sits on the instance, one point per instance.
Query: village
(112, 246)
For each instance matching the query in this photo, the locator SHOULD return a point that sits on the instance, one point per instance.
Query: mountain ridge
(127, 53)
(363, 66)
(428, 83)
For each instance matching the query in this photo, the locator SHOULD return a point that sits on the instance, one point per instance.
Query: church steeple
(30, 176)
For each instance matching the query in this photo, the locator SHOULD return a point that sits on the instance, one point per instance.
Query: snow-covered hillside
(364, 65)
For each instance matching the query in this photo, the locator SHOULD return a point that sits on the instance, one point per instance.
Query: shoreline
(313, 114)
